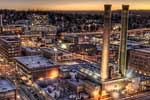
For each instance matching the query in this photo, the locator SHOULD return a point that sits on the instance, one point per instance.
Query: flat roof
(54, 89)
(74, 82)
(10, 39)
(143, 77)
(30, 49)
(36, 61)
(51, 50)
(6, 85)
(146, 50)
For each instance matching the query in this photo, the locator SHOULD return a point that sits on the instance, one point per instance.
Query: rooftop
(33, 62)
(73, 62)
(142, 77)
(10, 39)
(146, 50)
(52, 51)
(58, 89)
(30, 49)
(6, 85)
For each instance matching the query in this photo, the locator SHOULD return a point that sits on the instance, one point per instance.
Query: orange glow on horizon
(70, 5)
(85, 7)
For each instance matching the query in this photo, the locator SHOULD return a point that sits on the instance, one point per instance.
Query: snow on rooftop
(10, 39)
(6, 85)
(34, 61)
(30, 49)
(52, 51)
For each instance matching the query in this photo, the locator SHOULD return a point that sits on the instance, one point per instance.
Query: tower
(1, 20)
(105, 50)
(123, 42)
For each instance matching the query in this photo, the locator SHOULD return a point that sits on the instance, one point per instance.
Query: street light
(18, 97)
(18, 36)
(63, 46)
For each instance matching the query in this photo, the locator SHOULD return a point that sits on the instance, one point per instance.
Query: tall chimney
(1, 18)
(123, 37)
(105, 50)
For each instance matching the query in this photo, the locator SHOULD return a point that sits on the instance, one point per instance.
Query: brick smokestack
(106, 40)
(123, 42)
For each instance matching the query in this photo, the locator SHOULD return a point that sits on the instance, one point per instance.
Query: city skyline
(47, 53)
(72, 4)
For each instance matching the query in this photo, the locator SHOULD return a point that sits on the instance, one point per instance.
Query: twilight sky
(72, 4)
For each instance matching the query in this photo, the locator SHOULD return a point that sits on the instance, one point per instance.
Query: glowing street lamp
(18, 97)
(55, 49)
(18, 36)
(60, 41)
(63, 46)
(41, 78)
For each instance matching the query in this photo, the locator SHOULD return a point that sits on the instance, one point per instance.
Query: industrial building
(57, 55)
(120, 82)
(139, 63)
(36, 67)
(99, 81)
(139, 60)
(85, 55)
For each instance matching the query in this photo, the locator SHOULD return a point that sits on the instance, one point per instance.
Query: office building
(10, 47)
